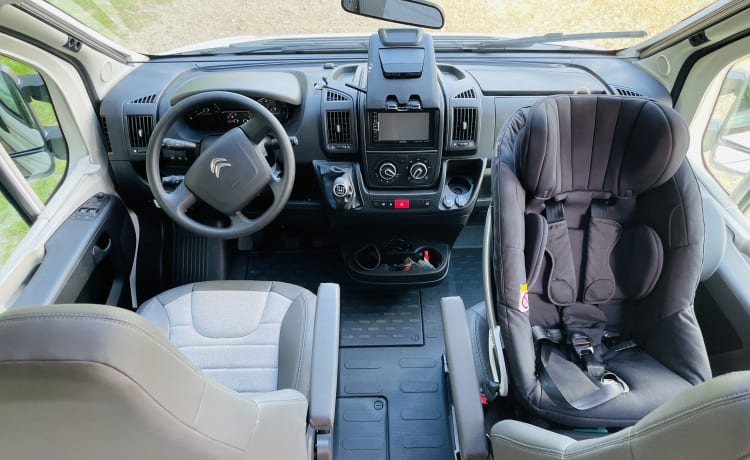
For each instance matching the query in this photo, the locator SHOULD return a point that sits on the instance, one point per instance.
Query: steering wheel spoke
(255, 129)
(240, 220)
(277, 186)
(181, 199)
(262, 148)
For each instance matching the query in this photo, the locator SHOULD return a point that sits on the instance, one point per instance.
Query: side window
(31, 136)
(12, 228)
(726, 142)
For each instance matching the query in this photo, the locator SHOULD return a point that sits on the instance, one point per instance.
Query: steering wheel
(230, 173)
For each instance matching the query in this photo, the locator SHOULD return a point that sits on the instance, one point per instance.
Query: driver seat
(250, 336)
(214, 370)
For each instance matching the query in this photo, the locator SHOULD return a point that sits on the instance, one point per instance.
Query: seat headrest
(621, 146)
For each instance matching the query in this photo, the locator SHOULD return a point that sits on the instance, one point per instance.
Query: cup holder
(432, 255)
(398, 258)
(367, 257)
(459, 185)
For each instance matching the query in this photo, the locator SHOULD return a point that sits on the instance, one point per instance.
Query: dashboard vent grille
(105, 132)
(623, 91)
(468, 94)
(335, 96)
(464, 124)
(338, 127)
(139, 130)
(150, 99)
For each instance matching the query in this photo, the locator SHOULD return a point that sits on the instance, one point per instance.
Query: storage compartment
(462, 180)
(398, 262)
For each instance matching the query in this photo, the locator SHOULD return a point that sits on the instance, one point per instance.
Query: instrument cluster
(214, 116)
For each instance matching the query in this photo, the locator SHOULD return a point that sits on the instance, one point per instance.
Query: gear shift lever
(343, 188)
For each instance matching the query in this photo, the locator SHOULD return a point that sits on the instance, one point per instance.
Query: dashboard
(385, 148)
(479, 92)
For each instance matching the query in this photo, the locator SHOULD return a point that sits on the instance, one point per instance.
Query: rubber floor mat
(382, 386)
(369, 317)
(365, 433)
(380, 317)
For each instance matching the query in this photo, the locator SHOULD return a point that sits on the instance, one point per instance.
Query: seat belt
(562, 286)
(558, 337)
(562, 379)
(584, 350)
(564, 382)
(602, 235)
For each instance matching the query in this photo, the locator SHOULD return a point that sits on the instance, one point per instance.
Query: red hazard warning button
(401, 204)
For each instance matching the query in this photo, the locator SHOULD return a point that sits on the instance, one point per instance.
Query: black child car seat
(598, 243)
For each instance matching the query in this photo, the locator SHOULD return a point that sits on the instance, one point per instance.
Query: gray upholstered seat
(219, 370)
(251, 336)
(90, 382)
(709, 421)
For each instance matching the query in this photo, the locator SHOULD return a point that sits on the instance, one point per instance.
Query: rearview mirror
(411, 12)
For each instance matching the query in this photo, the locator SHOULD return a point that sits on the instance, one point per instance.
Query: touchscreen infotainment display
(403, 127)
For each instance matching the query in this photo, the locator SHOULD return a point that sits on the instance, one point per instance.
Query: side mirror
(411, 12)
(20, 132)
(33, 88)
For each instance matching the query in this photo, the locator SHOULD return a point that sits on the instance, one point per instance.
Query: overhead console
(403, 111)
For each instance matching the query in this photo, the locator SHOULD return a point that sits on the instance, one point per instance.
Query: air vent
(338, 122)
(105, 132)
(139, 130)
(468, 94)
(623, 91)
(145, 99)
(339, 128)
(464, 126)
(335, 96)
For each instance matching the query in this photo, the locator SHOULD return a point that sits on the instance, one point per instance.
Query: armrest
(279, 424)
(325, 358)
(463, 380)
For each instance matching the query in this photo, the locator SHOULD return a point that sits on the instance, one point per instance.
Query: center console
(404, 111)
(398, 210)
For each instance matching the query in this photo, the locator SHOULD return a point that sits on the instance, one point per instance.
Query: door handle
(101, 248)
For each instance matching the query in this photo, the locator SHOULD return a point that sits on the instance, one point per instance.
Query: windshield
(160, 26)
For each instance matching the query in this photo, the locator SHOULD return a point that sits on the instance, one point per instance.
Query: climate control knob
(387, 170)
(418, 170)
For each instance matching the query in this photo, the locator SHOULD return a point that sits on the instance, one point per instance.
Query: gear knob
(343, 191)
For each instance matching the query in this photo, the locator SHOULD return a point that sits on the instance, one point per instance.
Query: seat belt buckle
(581, 344)
(489, 391)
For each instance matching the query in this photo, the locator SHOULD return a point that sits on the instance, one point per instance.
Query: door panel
(723, 311)
(88, 259)
(55, 258)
